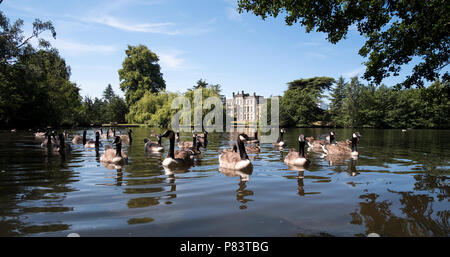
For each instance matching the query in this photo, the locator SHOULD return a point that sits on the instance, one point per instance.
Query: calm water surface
(397, 187)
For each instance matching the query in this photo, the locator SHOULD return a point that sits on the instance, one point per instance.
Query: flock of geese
(234, 158)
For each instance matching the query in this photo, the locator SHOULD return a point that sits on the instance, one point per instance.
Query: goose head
(117, 140)
(159, 138)
(169, 133)
(61, 140)
(332, 136)
(243, 137)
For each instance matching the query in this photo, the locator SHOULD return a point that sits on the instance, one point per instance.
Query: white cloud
(173, 60)
(354, 72)
(161, 28)
(76, 48)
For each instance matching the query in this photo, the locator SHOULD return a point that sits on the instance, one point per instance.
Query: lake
(397, 187)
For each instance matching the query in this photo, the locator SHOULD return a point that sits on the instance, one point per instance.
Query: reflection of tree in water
(429, 182)
(377, 216)
(46, 184)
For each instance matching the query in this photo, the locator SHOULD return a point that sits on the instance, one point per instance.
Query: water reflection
(241, 192)
(338, 161)
(403, 179)
(420, 219)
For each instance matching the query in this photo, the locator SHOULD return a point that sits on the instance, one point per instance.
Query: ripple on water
(396, 184)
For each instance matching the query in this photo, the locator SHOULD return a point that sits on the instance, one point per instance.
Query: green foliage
(153, 109)
(384, 107)
(34, 84)
(396, 31)
(110, 108)
(299, 104)
(108, 93)
(337, 98)
(140, 74)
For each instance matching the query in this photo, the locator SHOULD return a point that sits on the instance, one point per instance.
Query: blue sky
(195, 39)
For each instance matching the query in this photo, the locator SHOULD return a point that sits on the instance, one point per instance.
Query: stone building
(244, 107)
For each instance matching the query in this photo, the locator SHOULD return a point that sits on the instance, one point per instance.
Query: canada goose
(195, 149)
(343, 149)
(127, 139)
(280, 140)
(176, 158)
(63, 147)
(116, 156)
(94, 144)
(253, 140)
(80, 140)
(49, 140)
(203, 138)
(111, 132)
(103, 135)
(186, 144)
(253, 149)
(295, 158)
(316, 144)
(39, 135)
(153, 146)
(330, 137)
(233, 149)
(236, 161)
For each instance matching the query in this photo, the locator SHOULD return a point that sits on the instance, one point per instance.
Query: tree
(108, 93)
(337, 101)
(153, 109)
(116, 110)
(23, 74)
(207, 90)
(14, 44)
(140, 73)
(396, 31)
(299, 104)
(201, 84)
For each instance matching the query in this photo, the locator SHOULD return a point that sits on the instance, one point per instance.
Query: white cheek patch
(241, 138)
